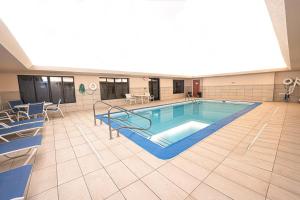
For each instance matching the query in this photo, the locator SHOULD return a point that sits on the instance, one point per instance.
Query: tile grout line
(221, 162)
(143, 161)
(283, 126)
(94, 150)
(138, 179)
(77, 162)
(55, 163)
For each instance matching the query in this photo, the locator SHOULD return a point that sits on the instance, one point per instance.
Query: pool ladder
(110, 118)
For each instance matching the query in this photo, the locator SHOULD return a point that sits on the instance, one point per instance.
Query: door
(154, 88)
(196, 88)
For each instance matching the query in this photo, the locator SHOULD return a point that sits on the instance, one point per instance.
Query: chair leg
(30, 156)
(62, 114)
(5, 140)
(46, 115)
(36, 132)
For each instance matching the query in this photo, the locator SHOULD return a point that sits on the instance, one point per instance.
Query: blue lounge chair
(33, 110)
(21, 144)
(27, 121)
(13, 183)
(14, 103)
(5, 116)
(19, 129)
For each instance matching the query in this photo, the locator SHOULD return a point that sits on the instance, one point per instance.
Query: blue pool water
(181, 123)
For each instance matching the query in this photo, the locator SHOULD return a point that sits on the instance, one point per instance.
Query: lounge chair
(27, 121)
(19, 129)
(33, 110)
(55, 108)
(5, 116)
(21, 144)
(13, 183)
(14, 103)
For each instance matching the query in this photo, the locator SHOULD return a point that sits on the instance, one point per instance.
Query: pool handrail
(100, 101)
(128, 112)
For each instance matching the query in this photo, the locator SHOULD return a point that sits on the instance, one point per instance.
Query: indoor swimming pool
(172, 128)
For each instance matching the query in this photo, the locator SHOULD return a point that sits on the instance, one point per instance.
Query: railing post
(109, 125)
(95, 122)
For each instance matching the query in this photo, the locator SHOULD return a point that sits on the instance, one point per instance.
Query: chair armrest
(4, 113)
(51, 107)
(5, 116)
(22, 112)
(4, 125)
(8, 111)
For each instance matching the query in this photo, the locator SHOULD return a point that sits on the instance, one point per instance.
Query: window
(27, 90)
(41, 88)
(113, 88)
(69, 90)
(178, 86)
(46, 88)
(56, 88)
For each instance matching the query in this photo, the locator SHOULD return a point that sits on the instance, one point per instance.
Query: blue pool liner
(181, 145)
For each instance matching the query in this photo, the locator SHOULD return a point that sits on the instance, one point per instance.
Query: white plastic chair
(129, 99)
(149, 96)
(55, 108)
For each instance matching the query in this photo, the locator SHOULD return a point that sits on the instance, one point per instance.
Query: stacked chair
(17, 139)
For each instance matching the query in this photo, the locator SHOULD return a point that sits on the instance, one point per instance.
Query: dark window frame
(63, 88)
(49, 87)
(177, 88)
(113, 95)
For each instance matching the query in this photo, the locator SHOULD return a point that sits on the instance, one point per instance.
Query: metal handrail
(100, 101)
(94, 109)
(128, 127)
(128, 112)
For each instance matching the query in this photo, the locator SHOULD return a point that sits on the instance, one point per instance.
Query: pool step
(163, 142)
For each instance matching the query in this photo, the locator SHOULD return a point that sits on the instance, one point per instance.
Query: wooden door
(196, 88)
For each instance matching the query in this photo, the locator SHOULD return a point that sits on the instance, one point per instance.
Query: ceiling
(293, 31)
(8, 63)
(170, 50)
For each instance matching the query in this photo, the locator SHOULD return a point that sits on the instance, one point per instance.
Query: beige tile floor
(77, 161)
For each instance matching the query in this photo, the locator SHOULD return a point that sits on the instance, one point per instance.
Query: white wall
(280, 89)
(249, 87)
(249, 79)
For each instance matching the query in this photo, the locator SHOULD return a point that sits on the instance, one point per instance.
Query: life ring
(93, 86)
(287, 81)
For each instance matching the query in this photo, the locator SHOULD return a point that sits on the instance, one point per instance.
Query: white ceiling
(293, 30)
(180, 37)
(8, 63)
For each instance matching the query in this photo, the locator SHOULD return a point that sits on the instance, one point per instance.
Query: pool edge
(171, 151)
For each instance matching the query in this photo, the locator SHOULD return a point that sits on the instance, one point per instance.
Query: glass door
(154, 88)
